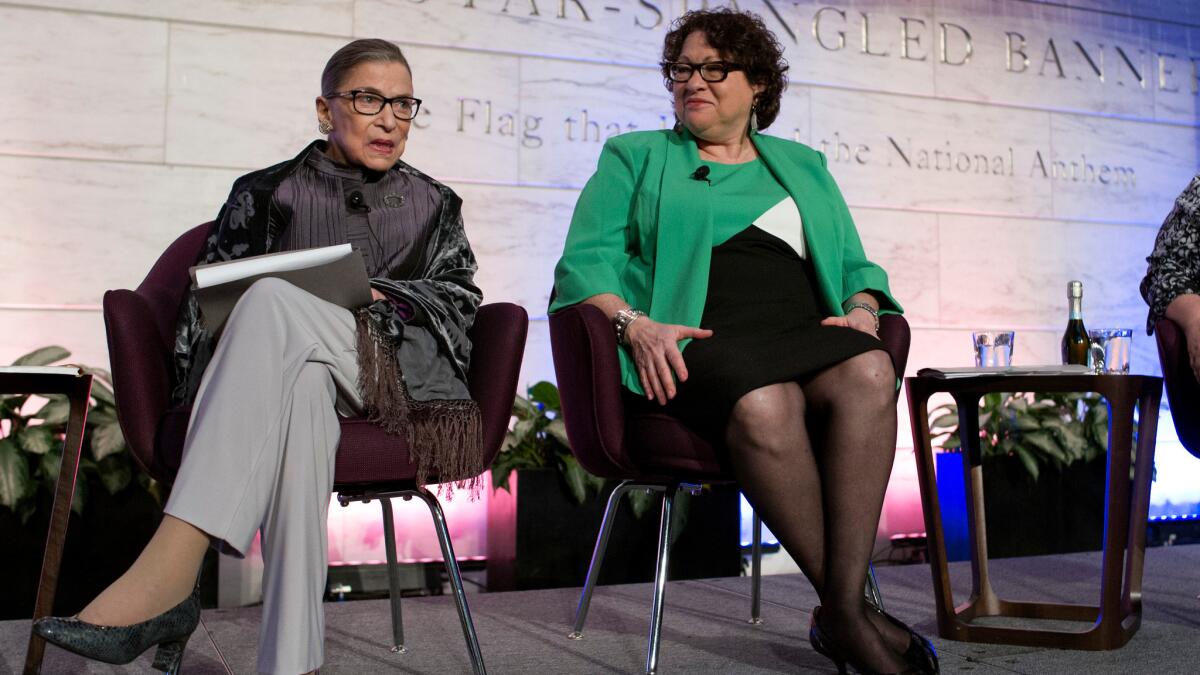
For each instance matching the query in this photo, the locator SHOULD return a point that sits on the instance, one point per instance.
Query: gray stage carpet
(704, 629)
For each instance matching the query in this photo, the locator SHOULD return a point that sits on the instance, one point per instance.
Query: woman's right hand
(655, 349)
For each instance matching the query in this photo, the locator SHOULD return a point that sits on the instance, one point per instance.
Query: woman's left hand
(858, 319)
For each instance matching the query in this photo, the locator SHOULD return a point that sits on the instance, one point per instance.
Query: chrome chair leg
(610, 513)
(873, 595)
(389, 542)
(456, 584)
(871, 590)
(660, 579)
(756, 572)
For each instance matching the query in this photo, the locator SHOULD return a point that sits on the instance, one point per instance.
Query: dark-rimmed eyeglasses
(713, 71)
(370, 103)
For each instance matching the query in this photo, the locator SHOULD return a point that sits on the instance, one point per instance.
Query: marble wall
(990, 150)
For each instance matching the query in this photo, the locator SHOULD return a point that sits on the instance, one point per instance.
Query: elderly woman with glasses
(745, 306)
(264, 431)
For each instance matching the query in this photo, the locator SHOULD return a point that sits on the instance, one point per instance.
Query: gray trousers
(260, 455)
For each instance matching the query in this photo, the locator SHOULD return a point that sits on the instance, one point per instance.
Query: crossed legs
(822, 497)
(259, 455)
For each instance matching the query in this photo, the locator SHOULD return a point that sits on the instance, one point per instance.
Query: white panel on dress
(783, 220)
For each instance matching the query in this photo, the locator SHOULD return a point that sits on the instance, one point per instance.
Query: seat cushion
(366, 453)
(661, 445)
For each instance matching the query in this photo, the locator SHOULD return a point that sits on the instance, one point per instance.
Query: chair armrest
(896, 337)
(589, 380)
(497, 347)
(1183, 392)
(141, 371)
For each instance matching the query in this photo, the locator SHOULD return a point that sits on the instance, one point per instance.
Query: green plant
(1041, 430)
(31, 443)
(538, 440)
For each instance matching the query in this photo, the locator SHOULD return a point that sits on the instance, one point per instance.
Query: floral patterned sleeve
(1175, 263)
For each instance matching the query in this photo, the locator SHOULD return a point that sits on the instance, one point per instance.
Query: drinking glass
(1110, 350)
(993, 348)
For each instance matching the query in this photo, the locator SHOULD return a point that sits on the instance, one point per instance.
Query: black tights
(822, 499)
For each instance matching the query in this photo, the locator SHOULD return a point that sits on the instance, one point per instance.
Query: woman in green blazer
(744, 305)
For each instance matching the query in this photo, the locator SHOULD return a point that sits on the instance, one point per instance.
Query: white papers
(204, 276)
(74, 371)
(336, 274)
(1010, 371)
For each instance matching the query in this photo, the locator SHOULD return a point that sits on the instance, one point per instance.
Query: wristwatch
(869, 309)
(622, 319)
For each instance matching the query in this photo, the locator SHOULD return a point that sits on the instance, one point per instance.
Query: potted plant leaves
(115, 510)
(1044, 458)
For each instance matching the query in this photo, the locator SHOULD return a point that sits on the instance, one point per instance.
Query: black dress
(765, 314)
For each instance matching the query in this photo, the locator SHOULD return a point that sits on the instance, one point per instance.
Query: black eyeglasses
(713, 71)
(370, 103)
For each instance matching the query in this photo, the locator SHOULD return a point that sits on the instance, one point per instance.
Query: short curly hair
(740, 37)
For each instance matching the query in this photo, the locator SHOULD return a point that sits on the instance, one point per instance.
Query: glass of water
(993, 348)
(1110, 350)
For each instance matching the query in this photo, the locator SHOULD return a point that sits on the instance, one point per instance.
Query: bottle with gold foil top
(1075, 344)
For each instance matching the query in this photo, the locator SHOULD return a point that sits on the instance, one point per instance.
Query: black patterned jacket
(1175, 263)
(443, 295)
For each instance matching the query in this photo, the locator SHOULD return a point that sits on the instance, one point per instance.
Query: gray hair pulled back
(360, 51)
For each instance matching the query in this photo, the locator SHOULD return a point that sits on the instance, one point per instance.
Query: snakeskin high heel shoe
(122, 644)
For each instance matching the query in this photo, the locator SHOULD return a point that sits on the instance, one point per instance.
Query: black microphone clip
(701, 174)
(356, 202)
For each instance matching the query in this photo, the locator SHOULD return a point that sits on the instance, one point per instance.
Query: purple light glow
(356, 531)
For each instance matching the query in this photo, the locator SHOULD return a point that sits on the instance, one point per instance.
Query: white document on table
(1004, 371)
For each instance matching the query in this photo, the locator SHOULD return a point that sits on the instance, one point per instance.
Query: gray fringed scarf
(445, 436)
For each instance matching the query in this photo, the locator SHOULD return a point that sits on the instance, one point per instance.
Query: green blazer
(643, 227)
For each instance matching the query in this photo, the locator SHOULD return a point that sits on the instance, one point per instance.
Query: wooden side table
(1126, 505)
(77, 386)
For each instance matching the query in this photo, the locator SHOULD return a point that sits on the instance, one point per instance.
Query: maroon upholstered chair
(371, 464)
(646, 449)
(1183, 391)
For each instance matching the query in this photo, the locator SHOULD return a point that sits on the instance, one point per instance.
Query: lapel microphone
(701, 174)
(356, 202)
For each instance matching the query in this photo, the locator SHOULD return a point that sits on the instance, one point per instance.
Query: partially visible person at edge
(1172, 283)
(745, 306)
(264, 429)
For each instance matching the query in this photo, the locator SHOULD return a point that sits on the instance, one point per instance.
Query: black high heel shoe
(920, 653)
(122, 644)
(821, 645)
